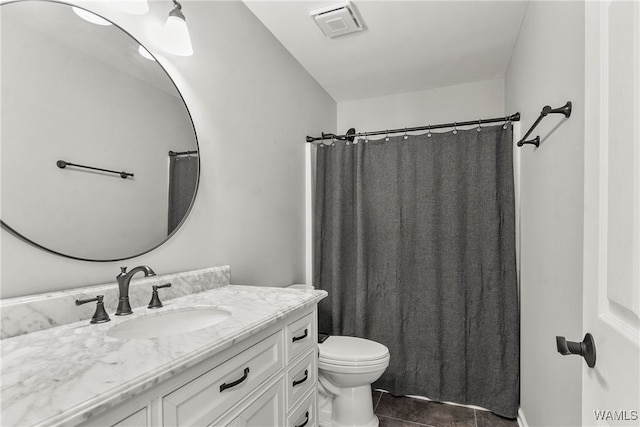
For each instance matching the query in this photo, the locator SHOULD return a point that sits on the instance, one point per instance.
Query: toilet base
(353, 408)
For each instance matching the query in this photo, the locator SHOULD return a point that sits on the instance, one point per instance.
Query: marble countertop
(66, 374)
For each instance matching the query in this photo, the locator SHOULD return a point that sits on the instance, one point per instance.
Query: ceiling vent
(338, 20)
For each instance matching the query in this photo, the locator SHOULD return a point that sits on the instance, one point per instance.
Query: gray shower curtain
(415, 243)
(183, 179)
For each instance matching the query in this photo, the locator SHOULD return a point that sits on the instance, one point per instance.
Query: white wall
(547, 68)
(470, 101)
(252, 105)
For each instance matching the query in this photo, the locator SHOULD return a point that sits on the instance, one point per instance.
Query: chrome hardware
(100, 315)
(124, 279)
(155, 300)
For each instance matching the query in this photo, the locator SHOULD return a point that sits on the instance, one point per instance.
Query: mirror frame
(29, 241)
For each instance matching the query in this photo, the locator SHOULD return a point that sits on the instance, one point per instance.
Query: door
(610, 391)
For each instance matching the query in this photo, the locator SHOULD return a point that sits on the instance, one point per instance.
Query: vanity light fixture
(90, 16)
(135, 7)
(176, 34)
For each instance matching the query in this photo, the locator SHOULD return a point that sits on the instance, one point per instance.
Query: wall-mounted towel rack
(565, 109)
(63, 164)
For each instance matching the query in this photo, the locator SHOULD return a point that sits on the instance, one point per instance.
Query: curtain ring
(479, 129)
(455, 128)
(323, 139)
(429, 132)
(405, 134)
(366, 138)
(387, 137)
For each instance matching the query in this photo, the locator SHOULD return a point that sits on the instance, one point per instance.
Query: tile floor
(407, 412)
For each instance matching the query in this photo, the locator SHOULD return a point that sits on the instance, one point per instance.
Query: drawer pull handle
(225, 386)
(306, 377)
(301, 337)
(306, 421)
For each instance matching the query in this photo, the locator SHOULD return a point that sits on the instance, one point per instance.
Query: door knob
(586, 348)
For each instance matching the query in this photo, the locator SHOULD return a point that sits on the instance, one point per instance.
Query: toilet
(347, 366)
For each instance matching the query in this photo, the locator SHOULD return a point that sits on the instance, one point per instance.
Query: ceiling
(406, 45)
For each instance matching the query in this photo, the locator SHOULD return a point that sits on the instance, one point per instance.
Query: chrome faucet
(123, 279)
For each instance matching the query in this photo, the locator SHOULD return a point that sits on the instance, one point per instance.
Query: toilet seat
(352, 351)
(354, 369)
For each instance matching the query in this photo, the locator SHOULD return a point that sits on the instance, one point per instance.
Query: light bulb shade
(176, 35)
(135, 7)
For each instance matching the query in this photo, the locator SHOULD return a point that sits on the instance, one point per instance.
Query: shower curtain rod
(351, 133)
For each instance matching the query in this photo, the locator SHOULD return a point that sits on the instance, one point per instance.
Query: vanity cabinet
(266, 410)
(267, 379)
(137, 419)
(206, 398)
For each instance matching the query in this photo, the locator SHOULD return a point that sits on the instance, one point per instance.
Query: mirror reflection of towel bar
(63, 164)
(182, 153)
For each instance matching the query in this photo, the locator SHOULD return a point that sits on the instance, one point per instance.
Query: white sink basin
(164, 323)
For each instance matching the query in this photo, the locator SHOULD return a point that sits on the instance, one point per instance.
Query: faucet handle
(155, 299)
(100, 315)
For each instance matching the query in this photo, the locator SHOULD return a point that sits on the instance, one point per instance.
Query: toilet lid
(351, 349)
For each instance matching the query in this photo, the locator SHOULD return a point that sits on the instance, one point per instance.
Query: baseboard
(522, 421)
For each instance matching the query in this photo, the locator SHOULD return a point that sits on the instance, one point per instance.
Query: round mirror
(99, 153)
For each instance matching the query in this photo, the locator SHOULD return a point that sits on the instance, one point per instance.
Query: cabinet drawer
(300, 378)
(305, 414)
(300, 335)
(204, 399)
(265, 410)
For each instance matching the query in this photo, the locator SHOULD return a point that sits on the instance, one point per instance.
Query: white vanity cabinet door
(305, 414)
(131, 414)
(300, 378)
(137, 419)
(300, 335)
(265, 410)
(207, 397)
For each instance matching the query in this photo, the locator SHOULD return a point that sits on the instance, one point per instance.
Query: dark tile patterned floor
(408, 412)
